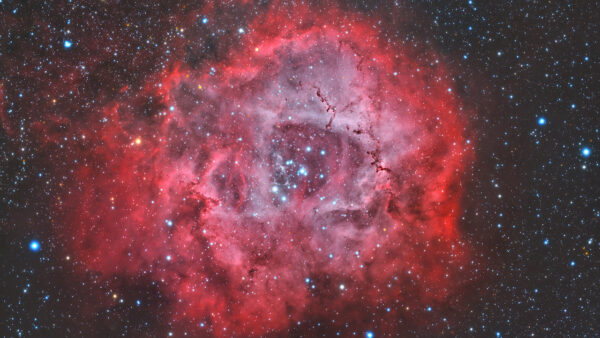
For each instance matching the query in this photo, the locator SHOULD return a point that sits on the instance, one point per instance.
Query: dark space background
(532, 212)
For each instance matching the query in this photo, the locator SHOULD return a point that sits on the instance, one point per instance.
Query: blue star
(586, 152)
(205, 20)
(67, 44)
(369, 334)
(34, 246)
(541, 121)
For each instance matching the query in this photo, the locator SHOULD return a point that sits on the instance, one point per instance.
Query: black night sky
(289, 168)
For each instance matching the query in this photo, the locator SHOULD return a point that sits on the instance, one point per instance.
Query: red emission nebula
(313, 173)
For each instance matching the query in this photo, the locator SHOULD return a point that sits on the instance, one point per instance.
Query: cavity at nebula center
(314, 168)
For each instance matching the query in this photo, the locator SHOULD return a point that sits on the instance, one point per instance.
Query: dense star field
(283, 168)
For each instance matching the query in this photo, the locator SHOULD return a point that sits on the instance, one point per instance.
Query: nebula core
(313, 172)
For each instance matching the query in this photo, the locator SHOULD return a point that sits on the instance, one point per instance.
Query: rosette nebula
(311, 174)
